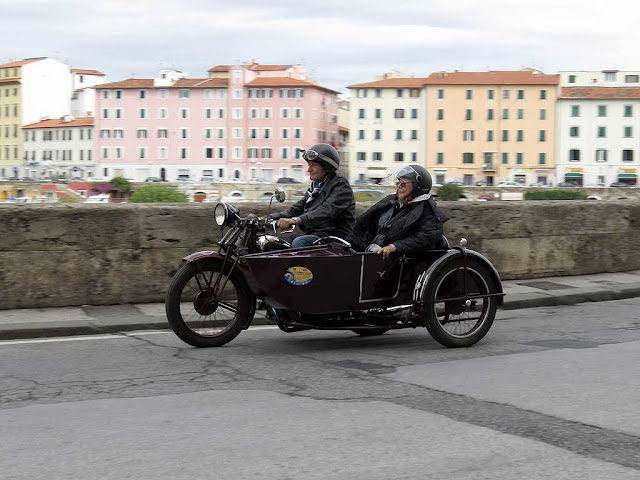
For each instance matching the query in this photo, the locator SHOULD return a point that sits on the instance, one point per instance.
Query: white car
(507, 183)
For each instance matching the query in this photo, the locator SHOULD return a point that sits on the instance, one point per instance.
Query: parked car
(568, 185)
(153, 179)
(539, 185)
(619, 184)
(509, 183)
(287, 180)
(207, 179)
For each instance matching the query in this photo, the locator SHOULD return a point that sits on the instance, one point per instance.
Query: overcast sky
(341, 42)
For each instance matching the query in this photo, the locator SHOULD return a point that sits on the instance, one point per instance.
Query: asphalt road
(549, 393)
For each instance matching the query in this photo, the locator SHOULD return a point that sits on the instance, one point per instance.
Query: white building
(83, 100)
(598, 126)
(59, 148)
(386, 126)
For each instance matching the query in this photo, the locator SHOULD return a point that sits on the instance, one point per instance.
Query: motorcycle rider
(328, 206)
(407, 222)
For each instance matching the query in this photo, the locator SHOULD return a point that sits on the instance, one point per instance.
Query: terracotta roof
(10, 80)
(84, 71)
(201, 83)
(518, 77)
(284, 82)
(611, 93)
(402, 82)
(220, 68)
(19, 63)
(256, 67)
(58, 123)
(129, 83)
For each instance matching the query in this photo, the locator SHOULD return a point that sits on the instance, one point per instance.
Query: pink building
(244, 121)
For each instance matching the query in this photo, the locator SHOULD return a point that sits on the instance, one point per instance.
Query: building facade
(243, 122)
(491, 126)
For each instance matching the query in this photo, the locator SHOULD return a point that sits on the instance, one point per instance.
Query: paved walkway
(47, 322)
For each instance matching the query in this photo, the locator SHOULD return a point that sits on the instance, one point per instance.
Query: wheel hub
(205, 303)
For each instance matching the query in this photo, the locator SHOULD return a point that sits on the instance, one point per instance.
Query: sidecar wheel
(203, 311)
(370, 332)
(456, 313)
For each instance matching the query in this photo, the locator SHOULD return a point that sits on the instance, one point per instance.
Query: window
(253, 113)
(118, 113)
(253, 133)
(118, 94)
(574, 155)
(399, 92)
(543, 114)
(414, 92)
(490, 94)
(184, 153)
(468, 114)
(628, 110)
(184, 113)
(142, 94)
(440, 93)
(143, 113)
(490, 114)
(362, 93)
(184, 133)
(520, 94)
(163, 113)
(236, 133)
(163, 133)
(519, 136)
(284, 133)
(266, 93)
(297, 133)
(505, 113)
(399, 113)
(440, 158)
(440, 114)
(220, 113)
(609, 76)
(208, 152)
(505, 158)
(208, 94)
(574, 131)
(602, 132)
(360, 134)
(414, 134)
(467, 135)
(142, 152)
(542, 137)
(505, 135)
(266, 153)
(298, 113)
(237, 94)
(543, 94)
(628, 132)
(631, 78)
(602, 110)
(266, 133)
(520, 114)
(441, 135)
(378, 92)
(208, 132)
(542, 158)
(284, 93)
(361, 113)
(104, 133)
(142, 133)
(284, 153)
(378, 113)
(489, 135)
(163, 93)
(398, 134)
(377, 134)
(398, 156)
(254, 93)
(236, 113)
(183, 93)
(601, 155)
(519, 158)
(266, 113)
(469, 95)
(414, 113)
(572, 79)
(575, 110)
(505, 94)
(377, 156)
(627, 155)
(362, 156)
(467, 157)
(284, 113)
(105, 113)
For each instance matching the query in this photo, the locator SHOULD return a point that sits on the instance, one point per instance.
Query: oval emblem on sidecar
(298, 275)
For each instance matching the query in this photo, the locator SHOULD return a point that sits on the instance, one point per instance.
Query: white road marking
(111, 336)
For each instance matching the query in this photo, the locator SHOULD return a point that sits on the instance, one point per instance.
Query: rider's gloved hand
(386, 251)
(286, 223)
(374, 248)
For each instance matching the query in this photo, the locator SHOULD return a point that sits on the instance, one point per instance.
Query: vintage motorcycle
(452, 291)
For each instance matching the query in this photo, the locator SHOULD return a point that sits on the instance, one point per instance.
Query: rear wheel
(207, 307)
(457, 313)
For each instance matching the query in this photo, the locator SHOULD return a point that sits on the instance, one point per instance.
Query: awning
(627, 175)
(573, 175)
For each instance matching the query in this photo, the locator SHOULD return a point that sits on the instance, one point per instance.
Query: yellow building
(491, 126)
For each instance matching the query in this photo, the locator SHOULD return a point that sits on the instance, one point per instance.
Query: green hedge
(555, 195)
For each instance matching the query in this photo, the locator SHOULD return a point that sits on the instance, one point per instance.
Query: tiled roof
(58, 123)
(604, 93)
(201, 83)
(284, 82)
(402, 82)
(518, 77)
(19, 63)
(10, 80)
(84, 71)
(129, 83)
(220, 68)
(256, 67)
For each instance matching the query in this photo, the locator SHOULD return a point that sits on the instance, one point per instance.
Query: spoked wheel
(207, 307)
(457, 314)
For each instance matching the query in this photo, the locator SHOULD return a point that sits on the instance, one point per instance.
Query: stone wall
(62, 255)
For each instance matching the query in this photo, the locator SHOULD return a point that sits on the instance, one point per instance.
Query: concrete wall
(61, 255)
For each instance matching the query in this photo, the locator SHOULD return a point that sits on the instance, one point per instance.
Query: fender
(425, 277)
(213, 254)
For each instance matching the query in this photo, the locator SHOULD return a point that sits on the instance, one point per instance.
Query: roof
(256, 67)
(19, 63)
(58, 123)
(603, 93)
(180, 83)
(201, 83)
(517, 77)
(10, 80)
(84, 71)
(285, 82)
(399, 82)
(220, 68)
(129, 83)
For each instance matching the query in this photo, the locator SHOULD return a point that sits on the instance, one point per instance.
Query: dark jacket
(331, 211)
(412, 228)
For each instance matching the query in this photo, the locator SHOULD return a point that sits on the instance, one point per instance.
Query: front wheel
(457, 307)
(207, 307)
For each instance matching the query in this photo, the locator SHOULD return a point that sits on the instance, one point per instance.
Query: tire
(192, 308)
(453, 323)
(370, 332)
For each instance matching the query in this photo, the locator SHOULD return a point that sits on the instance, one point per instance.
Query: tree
(449, 191)
(121, 184)
(157, 194)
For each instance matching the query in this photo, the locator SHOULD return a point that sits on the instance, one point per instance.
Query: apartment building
(386, 126)
(242, 122)
(598, 126)
(60, 148)
(30, 90)
(83, 99)
(491, 126)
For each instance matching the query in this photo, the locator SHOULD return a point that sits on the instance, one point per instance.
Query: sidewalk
(66, 321)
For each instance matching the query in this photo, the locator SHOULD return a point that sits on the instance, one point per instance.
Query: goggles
(313, 156)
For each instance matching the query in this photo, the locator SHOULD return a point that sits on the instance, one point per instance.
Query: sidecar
(333, 287)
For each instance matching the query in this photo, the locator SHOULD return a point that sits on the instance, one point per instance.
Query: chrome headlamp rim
(221, 214)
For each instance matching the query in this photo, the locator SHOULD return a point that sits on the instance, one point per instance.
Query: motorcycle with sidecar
(452, 291)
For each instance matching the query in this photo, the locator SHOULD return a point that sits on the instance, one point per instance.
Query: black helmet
(325, 155)
(419, 177)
